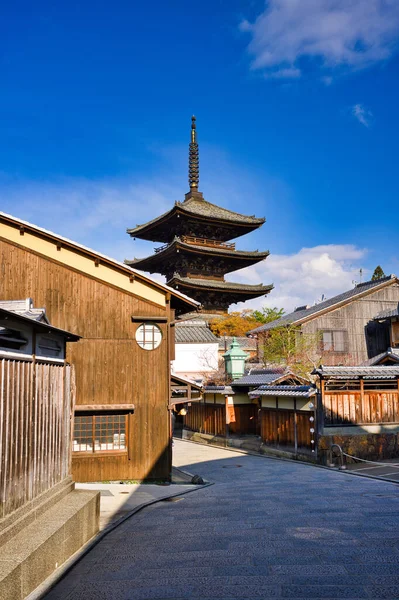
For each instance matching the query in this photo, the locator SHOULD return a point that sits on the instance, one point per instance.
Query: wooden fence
(286, 428)
(356, 408)
(206, 418)
(245, 419)
(36, 410)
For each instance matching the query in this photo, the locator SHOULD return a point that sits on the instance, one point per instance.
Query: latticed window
(334, 340)
(148, 336)
(99, 433)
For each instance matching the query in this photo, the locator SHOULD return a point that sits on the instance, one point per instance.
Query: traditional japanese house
(196, 350)
(339, 323)
(273, 404)
(359, 410)
(197, 251)
(43, 519)
(122, 421)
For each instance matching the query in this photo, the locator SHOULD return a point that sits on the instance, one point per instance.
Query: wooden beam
(102, 407)
(154, 319)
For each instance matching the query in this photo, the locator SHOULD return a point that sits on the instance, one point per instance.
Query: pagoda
(197, 250)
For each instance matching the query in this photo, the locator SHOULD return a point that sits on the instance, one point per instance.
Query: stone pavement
(266, 529)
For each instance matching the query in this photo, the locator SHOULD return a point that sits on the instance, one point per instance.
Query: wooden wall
(349, 407)
(111, 368)
(206, 418)
(278, 428)
(36, 403)
(354, 318)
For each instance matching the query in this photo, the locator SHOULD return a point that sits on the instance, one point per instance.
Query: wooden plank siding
(110, 366)
(353, 319)
(356, 408)
(36, 406)
(206, 418)
(278, 428)
(246, 419)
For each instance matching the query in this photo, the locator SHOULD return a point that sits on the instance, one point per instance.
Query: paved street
(266, 529)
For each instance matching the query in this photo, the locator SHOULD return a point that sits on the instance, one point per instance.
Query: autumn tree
(239, 323)
(378, 273)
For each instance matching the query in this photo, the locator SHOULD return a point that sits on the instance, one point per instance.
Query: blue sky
(297, 112)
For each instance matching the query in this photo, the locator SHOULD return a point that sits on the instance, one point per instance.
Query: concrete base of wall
(249, 444)
(37, 538)
(369, 446)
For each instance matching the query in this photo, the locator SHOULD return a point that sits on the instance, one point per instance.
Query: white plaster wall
(195, 358)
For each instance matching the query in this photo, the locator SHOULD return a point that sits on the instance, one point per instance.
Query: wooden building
(339, 324)
(197, 253)
(43, 519)
(273, 404)
(359, 410)
(122, 425)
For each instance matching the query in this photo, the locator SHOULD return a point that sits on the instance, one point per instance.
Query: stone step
(40, 548)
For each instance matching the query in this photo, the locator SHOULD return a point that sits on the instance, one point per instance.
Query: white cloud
(362, 114)
(336, 34)
(304, 277)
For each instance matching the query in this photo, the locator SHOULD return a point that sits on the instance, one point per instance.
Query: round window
(148, 336)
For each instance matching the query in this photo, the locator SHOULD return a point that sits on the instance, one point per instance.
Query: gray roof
(387, 314)
(371, 372)
(202, 208)
(177, 243)
(25, 308)
(219, 389)
(293, 391)
(391, 353)
(299, 315)
(194, 332)
(244, 342)
(218, 284)
(261, 377)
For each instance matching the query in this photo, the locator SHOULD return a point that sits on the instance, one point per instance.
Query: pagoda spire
(193, 159)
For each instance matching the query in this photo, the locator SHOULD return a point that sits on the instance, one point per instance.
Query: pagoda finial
(193, 159)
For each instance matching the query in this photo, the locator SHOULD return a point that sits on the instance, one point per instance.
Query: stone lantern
(234, 360)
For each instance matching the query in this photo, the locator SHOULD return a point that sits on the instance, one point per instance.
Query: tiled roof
(391, 353)
(222, 285)
(219, 389)
(299, 315)
(244, 342)
(371, 372)
(202, 208)
(387, 314)
(260, 377)
(295, 391)
(194, 332)
(25, 308)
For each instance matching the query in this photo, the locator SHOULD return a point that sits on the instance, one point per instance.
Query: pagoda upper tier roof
(225, 223)
(218, 284)
(206, 248)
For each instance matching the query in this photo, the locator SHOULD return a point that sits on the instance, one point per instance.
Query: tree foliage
(239, 323)
(289, 346)
(378, 273)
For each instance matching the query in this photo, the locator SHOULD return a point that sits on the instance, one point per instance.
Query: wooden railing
(198, 241)
(36, 408)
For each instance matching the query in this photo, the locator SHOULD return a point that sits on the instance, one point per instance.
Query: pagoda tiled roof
(199, 207)
(162, 252)
(220, 285)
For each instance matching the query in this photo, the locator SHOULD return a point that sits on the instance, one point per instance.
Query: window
(334, 341)
(148, 336)
(99, 433)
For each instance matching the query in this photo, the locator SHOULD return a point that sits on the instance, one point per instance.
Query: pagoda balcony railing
(197, 241)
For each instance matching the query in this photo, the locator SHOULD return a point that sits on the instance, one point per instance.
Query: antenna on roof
(193, 159)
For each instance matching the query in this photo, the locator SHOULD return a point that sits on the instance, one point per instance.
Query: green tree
(378, 274)
(289, 346)
(267, 315)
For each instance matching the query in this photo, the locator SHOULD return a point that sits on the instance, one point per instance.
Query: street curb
(295, 462)
(46, 586)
